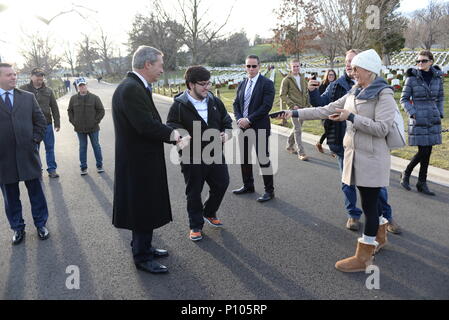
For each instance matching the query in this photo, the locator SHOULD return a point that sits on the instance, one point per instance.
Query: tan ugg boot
(381, 237)
(358, 263)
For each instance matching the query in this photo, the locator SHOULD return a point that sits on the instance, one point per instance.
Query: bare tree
(430, 21)
(199, 32)
(39, 53)
(344, 20)
(412, 35)
(161, 31)
(70, 57)
(87, 53)
(105, 50)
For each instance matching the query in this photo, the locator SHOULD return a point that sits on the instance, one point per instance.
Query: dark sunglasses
(254, 66)
(422, 61)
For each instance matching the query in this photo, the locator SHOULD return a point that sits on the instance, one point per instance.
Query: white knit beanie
(368, 60)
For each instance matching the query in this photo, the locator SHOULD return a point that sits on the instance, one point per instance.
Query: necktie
(247, 99)
(8, 101)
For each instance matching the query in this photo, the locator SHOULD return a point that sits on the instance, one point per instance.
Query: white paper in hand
(185, 141)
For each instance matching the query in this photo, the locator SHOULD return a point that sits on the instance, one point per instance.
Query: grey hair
(144, 54)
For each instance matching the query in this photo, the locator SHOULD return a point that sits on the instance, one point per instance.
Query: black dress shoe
(43, 233)
(151, 267)
(243, 190)
(159, 253)
(267, 196)
(18, 237)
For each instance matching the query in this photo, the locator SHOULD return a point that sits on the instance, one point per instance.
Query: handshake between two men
(183, 141)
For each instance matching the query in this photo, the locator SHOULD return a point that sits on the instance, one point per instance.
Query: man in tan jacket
(294, 95)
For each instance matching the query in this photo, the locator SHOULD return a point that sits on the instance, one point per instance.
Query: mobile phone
(276, 114)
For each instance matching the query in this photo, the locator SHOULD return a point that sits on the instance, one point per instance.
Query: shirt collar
(254, 80)
(2, 91)
(193, 100)
(145, 82)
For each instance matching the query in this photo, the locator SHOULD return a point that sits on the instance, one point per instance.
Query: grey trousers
(295, 136)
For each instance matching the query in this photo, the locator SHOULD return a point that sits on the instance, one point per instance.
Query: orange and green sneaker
(214, 221)
(195, 235)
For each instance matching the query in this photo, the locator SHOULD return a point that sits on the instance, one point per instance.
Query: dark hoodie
(183, 115)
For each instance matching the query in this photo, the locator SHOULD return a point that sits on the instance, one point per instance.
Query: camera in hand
(276, 114)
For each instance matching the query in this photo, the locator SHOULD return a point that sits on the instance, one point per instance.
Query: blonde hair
(372, 77)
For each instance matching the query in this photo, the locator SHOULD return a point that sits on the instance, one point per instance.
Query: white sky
(115, 17)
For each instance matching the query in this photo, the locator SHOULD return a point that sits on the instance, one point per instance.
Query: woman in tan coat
(369, 110)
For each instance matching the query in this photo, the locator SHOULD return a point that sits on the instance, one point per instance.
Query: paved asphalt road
(284, 249)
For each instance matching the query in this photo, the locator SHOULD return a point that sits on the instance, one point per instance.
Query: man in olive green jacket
(85, 113)
(294, 95)
(47, 102)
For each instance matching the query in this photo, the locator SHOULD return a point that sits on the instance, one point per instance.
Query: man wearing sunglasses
(252, 105)
(198, 108)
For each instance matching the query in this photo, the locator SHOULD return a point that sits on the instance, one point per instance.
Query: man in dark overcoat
(141, 198)
(22, 128)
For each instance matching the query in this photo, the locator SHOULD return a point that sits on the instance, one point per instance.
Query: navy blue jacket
(337, 89)
(424, 105)
(260, 105)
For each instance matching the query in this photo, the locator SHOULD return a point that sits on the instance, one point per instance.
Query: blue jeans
(350, 192)
(13, 206)
(94, 140)
(386, 208)
(49, 142)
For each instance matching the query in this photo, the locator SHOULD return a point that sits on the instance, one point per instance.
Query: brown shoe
(319, 146)
(353, 224)
(303, 157)
(393, 227)
(360, 261)
(381, 237)
(291, 150)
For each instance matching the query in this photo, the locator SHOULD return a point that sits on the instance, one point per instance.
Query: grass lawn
(440, 154)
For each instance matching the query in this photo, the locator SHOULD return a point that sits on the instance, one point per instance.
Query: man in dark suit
(141, 198)
(22, 128)
(197, 110)
(252, 105)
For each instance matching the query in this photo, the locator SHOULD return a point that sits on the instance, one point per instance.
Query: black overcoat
(141, 198)
(20, 132)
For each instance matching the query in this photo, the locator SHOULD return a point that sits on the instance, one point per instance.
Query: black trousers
(141, 246)
(422, 157)
(195, 175)
(372, 208)
(263, 158)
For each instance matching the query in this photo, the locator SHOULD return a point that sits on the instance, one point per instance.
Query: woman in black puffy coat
(423, 99)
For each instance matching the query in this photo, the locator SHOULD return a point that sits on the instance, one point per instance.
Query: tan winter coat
(367, 158)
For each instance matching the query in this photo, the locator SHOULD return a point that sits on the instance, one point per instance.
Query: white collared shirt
(253, 80)
(200, 106)
(145, 82)
(11, 95)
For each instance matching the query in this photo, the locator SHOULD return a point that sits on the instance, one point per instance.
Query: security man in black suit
(252, 105)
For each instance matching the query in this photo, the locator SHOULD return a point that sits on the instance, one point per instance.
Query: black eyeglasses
(254, 66)
(204, 84)
(422, 61)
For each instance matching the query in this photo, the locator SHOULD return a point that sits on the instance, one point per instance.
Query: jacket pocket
(363, 142)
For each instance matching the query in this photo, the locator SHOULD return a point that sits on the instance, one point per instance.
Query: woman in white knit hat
(369, 109)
